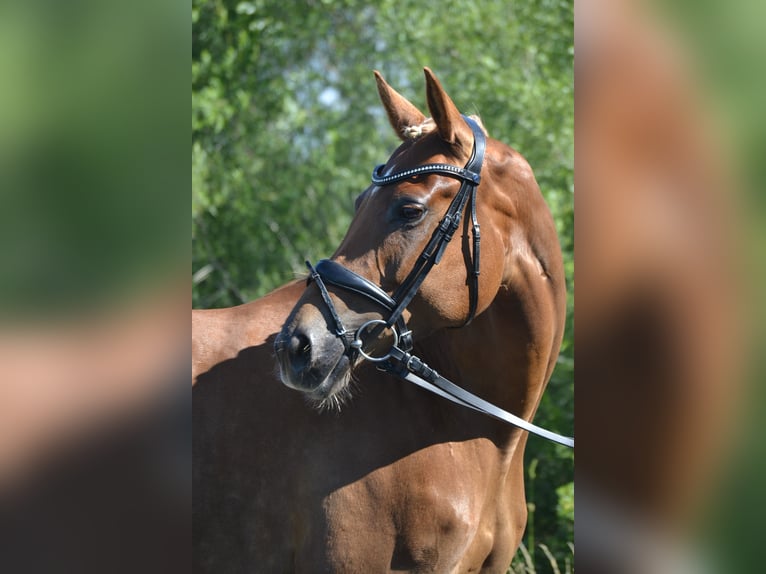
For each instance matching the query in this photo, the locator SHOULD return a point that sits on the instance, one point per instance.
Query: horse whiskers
(333, 403)
(339, 399)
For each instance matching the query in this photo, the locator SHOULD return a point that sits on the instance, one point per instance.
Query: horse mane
(428, 125)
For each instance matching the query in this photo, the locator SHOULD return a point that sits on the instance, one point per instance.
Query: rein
(398, 361)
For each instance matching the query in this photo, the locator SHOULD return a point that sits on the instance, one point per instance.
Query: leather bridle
(328, 271)
(398, 361)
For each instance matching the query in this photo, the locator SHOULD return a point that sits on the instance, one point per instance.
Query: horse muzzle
(310, 361)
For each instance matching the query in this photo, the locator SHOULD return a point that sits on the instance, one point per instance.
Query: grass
(523, 563)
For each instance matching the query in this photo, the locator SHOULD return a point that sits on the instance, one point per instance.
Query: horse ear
(450, 124)
(401, 113)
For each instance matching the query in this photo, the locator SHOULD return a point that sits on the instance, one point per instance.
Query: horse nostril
(299, 351)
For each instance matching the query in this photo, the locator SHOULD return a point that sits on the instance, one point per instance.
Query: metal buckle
(358, 344)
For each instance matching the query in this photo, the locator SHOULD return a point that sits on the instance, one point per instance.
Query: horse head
(395, 225)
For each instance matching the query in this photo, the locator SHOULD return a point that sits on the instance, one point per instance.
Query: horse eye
(411, 212)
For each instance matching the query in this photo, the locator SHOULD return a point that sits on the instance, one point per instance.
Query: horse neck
(500, 356)
(221, 334)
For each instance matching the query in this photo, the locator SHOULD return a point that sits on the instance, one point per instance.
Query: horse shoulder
(445, 508)
(462, 512)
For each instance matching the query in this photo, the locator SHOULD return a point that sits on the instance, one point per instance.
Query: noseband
(398, 360)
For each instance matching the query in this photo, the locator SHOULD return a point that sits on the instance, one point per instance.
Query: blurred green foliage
(92, 165)
(286, 127)
(727, 46)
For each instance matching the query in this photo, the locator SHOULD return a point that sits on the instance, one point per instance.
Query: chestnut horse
(397, 479)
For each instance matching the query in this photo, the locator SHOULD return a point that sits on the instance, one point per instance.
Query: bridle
(333, 273)
(398, 361)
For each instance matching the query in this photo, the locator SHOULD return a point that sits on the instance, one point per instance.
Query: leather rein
(398, 361)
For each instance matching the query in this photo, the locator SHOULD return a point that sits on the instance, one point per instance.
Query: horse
(345, 467)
